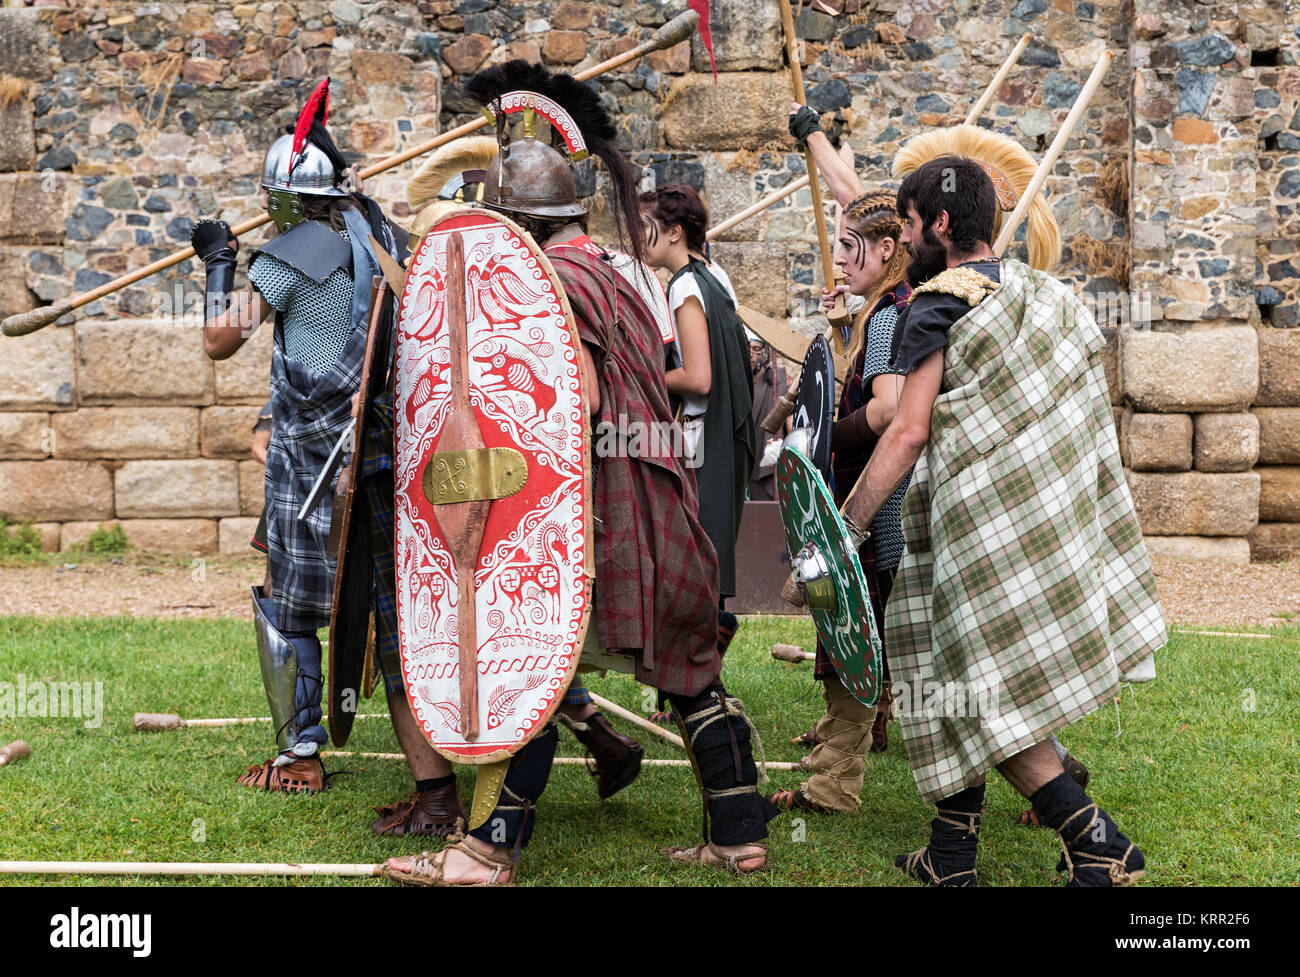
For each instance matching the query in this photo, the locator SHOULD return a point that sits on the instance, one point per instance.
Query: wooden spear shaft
(675, 31)
(567, 761)
(1058, 145)
(839, 315)
(190, 868)
(978, 108)
(639, 721)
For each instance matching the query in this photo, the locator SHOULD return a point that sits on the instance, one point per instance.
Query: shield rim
(855, 567)
(341, 721)
(483, 759)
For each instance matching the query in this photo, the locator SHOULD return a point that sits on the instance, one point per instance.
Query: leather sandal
(711, 856)
(428, 868)
(917, 865)
(305, 775)
(797, 800)
(436, 813)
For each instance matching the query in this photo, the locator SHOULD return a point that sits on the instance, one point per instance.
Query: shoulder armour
(311, 248)
(966, 284)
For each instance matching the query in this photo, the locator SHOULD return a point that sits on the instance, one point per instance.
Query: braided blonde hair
(874, 215)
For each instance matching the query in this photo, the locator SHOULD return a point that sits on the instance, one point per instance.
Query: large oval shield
(815, 532)
(814, 408)
(491, 439)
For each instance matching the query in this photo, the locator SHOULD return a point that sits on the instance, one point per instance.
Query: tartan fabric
(577, 695)
(656, 588)
(1025, 572)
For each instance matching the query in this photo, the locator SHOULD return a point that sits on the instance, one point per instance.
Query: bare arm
(883, 405)
(261, 442)
(901, 445)
(590, 382)
(224, 334)
(695, 376)
(839, 175)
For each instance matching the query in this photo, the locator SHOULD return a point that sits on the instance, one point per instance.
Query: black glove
(211, 242)
(804, 123)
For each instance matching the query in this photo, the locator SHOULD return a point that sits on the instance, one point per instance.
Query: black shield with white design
(814, 408)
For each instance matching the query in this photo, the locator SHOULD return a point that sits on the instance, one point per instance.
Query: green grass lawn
(1206, 786)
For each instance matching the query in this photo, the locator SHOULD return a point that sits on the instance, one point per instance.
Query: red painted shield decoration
(481, 687)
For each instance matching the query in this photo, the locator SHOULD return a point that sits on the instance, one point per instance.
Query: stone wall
(121, 124)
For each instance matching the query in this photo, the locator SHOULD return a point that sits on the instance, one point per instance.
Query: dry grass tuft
(1112, 185)
(12, 90)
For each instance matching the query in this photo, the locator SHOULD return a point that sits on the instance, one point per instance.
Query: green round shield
(825, 559)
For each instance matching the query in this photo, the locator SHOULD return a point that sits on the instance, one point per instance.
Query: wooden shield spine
(418, 443)
(350, 612)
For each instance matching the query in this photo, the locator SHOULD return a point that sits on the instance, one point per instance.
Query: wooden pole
(191, 868)
(638, 721)
(791, 653)
(674, 32)
(159, 722)
(1058, 145)
(568, 761)
(839, 315)
(978, 108)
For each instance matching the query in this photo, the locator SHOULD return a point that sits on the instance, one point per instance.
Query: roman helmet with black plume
(534, 182)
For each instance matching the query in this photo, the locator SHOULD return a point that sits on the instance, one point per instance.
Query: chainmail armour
(317, 318)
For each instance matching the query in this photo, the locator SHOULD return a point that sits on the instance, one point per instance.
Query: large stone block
(142, 361)
(1227, 442)
(233, 535)
(55, 491)
(167, 489)
(1110, 363)
(74, 535)
(126, 433)
(1275, 541)
(252, 488)
(34, 207)
(1196, 503)
(25, 45)
(1279, 493)
(17, 137)
(39, 371)
(228, 431)
(24, 435)
(15, 296)
(760, 274)
(1202, 370)
(1279, 435)
(1224, 549)
(49, 533)
(744, 110)
(183, 536)
(729, 191)
(245, 378)
(745, 35)
(1279, 368)
(1159, 442)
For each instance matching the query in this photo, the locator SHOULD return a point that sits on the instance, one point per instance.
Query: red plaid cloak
(656, 593)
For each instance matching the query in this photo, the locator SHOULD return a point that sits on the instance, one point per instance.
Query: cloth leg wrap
(1094, 851)
(307, 694)
(511, 822)
(839, 757)
(718, 734)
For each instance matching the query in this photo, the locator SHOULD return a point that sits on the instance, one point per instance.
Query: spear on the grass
(674, 32)
(192, 868)
(568, 761)
(158, 722)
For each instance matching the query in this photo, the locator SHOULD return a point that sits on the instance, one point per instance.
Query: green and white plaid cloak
(1026, 590)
